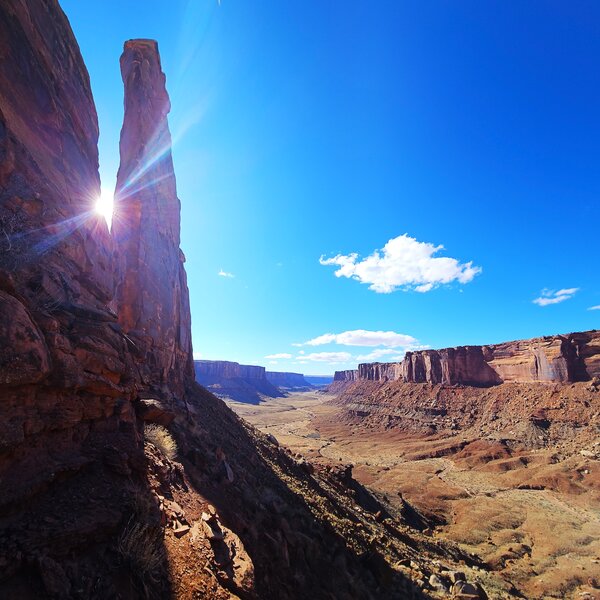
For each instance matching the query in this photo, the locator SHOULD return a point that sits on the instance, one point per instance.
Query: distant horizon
(415, 176)
(390, 361)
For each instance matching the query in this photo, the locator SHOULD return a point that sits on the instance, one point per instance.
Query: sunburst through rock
(104, 205)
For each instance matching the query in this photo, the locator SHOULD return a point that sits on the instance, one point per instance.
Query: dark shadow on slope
(89, 532)
(248, 391)
(305, 538)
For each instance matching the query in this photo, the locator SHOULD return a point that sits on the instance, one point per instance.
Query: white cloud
(551, 297)
(280, 355)
(403, 263)
(222, 273)
(327, 357)
(362, 337)
(197, 355)
(597, 307)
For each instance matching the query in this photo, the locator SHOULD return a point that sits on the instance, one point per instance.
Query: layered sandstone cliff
(560, 358)
(230, 380)
(349, 375)
(65, 371)
(228, 370)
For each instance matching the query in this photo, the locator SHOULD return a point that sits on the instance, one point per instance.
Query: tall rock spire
(152, 295)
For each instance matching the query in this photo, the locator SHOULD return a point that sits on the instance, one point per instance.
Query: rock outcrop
(226, 369)
(463, 365)
(65, 372)
(287, 380)
(152, 298)
(560, 358)
(342, 376)
(379, 371)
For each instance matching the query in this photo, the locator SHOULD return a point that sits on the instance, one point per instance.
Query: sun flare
(104, 205)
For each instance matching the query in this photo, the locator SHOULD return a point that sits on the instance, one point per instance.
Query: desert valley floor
(531, 515)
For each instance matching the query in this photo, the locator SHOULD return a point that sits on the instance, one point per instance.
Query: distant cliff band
(559, 358)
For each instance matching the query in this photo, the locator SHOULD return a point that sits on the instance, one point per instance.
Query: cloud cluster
(403, 263)
(363, 337)
(222, 273)
(551, 297)
(597, 307)
(392, 346)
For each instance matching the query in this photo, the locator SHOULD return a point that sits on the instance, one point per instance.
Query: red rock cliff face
(342, 376)
(463, 365)
(379, 371)
(152, 297)
(227, 369)
(559, 358)
(562, 358)
(64, 369)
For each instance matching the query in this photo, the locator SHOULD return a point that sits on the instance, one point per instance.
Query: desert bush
(161, 439)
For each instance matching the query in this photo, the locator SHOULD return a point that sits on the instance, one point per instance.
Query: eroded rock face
(152, 297)
(243, 383)
(379, 371)
(560, 358)
(67, 423)
(349, 375)
(64, 368)
(227, 370)
(463, 365)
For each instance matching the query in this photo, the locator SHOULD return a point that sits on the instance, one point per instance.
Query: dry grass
(141, 548)
(162, 439)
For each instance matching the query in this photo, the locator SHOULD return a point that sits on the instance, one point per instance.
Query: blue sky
(315, 138)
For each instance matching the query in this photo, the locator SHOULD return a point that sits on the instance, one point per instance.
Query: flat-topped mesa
(227, 370)
(559, 358)
(152, 294)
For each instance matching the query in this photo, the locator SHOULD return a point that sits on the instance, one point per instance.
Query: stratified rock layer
(227, 370)
(349, 375)
(64, 367)
(152, 297)
(230, 380)
(560, 358)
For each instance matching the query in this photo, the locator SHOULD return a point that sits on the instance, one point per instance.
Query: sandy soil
(532, 516)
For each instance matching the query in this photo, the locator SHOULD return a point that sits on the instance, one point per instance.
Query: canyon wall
(66, 376)
(287, 380)
(560, 358)
(342, 376)
(152, 297)
(228, 370)
(232, 381)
